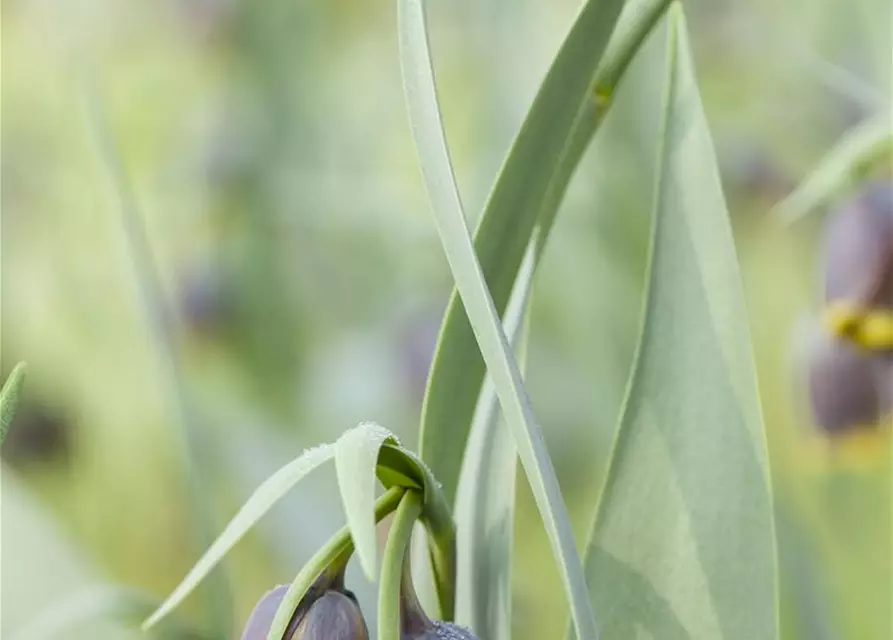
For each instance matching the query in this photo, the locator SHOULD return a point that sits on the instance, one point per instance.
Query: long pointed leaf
(528, 190)
(437, 170)
(261, 501)
(683, 541)
(485, 505)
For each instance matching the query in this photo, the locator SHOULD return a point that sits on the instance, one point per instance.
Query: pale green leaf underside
(261, 501)
(683, 542)
(437, 170)
(356, 458)
(9, 398)
(865, 143)
(525, 197)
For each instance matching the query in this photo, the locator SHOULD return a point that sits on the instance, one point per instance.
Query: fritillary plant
(682, 542)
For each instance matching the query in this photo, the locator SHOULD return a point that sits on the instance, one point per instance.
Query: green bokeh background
(269, 147)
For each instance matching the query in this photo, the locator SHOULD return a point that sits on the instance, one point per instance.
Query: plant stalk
(395, 553)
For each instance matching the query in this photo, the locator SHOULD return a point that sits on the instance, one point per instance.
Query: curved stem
(441, 528)
(331, 558)
(399, 465)
(392, 566)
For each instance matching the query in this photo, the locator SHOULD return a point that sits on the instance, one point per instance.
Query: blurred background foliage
(269, 147)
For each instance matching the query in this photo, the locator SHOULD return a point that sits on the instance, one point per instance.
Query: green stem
(436, 516)
(395, 551)
(331, 558)
(442, 550)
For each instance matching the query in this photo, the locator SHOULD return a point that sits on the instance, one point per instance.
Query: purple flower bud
(262, 617)
(334, 616)
(327, 612)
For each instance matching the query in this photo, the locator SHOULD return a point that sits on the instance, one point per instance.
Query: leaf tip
(152, 620)
(9, 397)
(368, 557)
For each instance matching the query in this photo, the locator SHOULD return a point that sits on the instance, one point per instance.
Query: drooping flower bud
(327, 612)
(262, 616)
(334, 616)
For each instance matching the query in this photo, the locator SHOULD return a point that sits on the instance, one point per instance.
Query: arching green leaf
(356, 460)
(424, 115)
(485, 505)
(526, 195)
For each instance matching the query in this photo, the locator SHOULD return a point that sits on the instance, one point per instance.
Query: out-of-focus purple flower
(850, 368)
(858, 251)
(849, 386)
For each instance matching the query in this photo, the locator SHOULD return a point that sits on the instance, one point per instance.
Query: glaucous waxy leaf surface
(683, 542)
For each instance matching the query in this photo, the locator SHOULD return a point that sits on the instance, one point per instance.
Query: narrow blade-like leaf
(867, 142)
(437, 170)
(485, 505)
(356, 459)
(9, 398)
(261, 501)
(683, 541)
(528, 190)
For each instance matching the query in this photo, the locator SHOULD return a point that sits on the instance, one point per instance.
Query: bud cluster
(330, 612)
